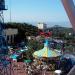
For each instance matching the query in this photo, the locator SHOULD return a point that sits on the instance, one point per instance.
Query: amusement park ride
(70, 9)
(3, 44)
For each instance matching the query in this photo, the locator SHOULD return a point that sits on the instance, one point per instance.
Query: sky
(49, 11)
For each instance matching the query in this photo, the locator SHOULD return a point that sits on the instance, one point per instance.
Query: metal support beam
(70, 10)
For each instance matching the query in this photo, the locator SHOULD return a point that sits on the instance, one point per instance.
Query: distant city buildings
(10, 35)
(42, 26)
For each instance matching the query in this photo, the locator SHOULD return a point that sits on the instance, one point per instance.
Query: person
(62, 48)
(69, 64)
(66, 65)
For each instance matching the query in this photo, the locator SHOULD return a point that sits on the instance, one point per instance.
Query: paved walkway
(19, 68)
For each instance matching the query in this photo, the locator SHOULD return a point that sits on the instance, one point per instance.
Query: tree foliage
(24, 29)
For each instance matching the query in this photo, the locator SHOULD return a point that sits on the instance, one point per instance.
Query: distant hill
(59, 31)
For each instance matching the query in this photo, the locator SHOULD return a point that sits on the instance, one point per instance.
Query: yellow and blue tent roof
(46, 52)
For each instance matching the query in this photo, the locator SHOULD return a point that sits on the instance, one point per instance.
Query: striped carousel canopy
(46, 52)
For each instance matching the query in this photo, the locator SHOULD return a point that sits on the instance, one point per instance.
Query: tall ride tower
(3, 46)
(2, 8)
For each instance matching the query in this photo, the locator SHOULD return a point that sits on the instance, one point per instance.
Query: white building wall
(41, 26)
(10, 33)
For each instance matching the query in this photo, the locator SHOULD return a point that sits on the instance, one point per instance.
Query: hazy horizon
(34, 11)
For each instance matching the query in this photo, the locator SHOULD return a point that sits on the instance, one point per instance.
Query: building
(10, 35)
(42, 26)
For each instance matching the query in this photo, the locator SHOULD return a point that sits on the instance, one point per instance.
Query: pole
(70, 10)
(10, 10)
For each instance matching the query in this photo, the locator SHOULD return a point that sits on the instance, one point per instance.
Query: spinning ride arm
(70, 10)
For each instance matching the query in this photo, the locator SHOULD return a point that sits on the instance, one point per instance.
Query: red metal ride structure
(45, 34)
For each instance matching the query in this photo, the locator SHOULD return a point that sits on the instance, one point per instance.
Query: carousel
(50, 56)
(47, 52)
